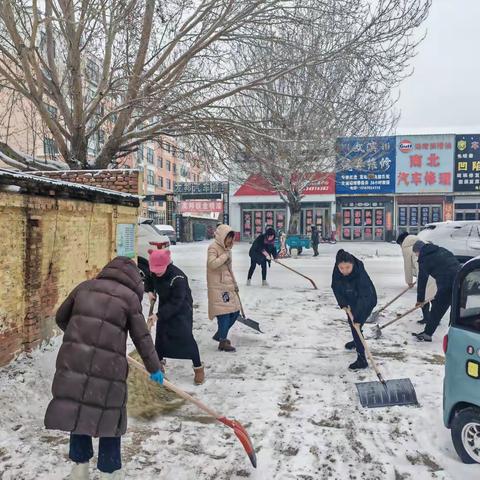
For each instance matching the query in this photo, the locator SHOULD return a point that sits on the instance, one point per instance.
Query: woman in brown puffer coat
(223, 301)
(89, 388)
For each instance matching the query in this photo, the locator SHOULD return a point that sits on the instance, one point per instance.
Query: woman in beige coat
(410, 264)
(223, 300)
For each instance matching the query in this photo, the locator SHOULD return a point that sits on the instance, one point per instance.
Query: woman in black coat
(174, 337)
(355, 292)
(262, 251)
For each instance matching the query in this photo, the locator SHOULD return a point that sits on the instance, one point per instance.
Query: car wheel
(466, 434)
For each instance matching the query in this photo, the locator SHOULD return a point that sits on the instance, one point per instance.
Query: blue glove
(157, 377)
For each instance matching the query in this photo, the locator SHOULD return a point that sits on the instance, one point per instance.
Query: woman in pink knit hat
(174, 338)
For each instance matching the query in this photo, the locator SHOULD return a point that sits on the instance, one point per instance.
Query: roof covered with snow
(49, 187)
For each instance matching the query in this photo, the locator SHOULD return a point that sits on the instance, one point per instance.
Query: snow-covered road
(290, 387)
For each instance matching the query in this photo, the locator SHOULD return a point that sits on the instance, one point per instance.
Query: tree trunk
(295, 211)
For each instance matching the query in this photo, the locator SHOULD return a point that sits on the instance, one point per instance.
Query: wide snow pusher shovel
(237, 428)
(245, 320)
(373, 318)
(314, 285)
(384, 393)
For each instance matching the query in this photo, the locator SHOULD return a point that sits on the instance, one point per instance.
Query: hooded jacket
(439, 263)
(410, 265)
(89, 387)
(355, 291)
(259, 245)
(221, 283)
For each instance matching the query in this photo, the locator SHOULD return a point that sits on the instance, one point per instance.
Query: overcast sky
(443, 95)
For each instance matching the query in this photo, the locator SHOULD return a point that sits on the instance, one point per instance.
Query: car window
(470, 302)
(462, 232)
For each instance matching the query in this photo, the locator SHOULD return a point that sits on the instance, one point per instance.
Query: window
(49, 147)
(169, 184)
(150, 155)
(462, 232)
(174, 168)
(160, 203)
(160, 162)
(166, 146)
(101, 137)
(470, 302)
(92, 71)
(160, 182)
(174, 151)
(150, 177)
(169, 165)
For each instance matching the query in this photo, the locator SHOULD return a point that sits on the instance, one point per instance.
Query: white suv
(462, 238)
(148, 238)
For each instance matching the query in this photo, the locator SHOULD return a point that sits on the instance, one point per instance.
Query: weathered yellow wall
(48, 247)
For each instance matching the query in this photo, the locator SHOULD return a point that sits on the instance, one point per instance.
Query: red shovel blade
(242, 435)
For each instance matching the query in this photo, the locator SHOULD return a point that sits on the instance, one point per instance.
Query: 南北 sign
(425, 163)
(467, 163)
(365, 165)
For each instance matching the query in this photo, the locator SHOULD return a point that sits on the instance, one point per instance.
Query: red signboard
(201, 206)
(256, 185)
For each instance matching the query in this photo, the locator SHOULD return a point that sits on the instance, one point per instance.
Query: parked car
(148, 238)
(461, 238)
(169, 231)
(461, 399)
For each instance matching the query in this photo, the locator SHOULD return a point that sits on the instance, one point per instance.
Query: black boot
(359, 364)
(350, 345)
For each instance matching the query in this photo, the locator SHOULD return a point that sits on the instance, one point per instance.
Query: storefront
(467, 177)
(255, 206)
(365, 194)
(424, 181)
(365, 218)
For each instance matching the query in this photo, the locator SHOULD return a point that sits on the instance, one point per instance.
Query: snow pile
(290, 387)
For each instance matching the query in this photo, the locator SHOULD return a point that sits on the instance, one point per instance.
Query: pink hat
(159, 261)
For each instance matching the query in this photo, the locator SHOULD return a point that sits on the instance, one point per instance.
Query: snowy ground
(290, 387)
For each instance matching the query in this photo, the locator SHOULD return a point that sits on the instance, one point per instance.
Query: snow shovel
(378, 328)
(373, 318)
(247, 321)
(237, 427)
(298, 273)
(384, 393)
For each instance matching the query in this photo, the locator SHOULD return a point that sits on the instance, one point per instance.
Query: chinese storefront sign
(371, 163)
(425, 164)
(467, 163)
(201, 206)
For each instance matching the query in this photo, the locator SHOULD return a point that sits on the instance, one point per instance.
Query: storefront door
(412, 218)
(317, 216)
(362, 223)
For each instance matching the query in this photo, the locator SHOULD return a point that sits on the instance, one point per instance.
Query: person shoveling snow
(355, 292)
(89, 387)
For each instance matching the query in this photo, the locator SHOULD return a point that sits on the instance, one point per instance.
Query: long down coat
(89, 388)
(221, 283)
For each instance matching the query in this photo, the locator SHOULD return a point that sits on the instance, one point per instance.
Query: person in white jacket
(410, 265)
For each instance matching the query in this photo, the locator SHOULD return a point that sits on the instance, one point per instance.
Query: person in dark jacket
(315, 240)
(89, 387)
(440, 264)
(174, 337)
(355, 293)
(262, 252)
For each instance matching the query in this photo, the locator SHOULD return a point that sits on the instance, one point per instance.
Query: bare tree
(121, 72)
(288, 129)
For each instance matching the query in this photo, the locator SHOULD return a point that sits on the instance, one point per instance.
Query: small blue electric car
(461, 389)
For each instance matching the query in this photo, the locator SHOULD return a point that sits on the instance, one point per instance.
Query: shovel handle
(298, 273)
(403, 292)
(237, 293)
(365, 346)
(408, 312)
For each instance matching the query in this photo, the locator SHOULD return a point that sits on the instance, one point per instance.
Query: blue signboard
(365, 165)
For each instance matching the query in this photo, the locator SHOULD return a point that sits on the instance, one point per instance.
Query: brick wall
(49, 246)
(125, 180)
